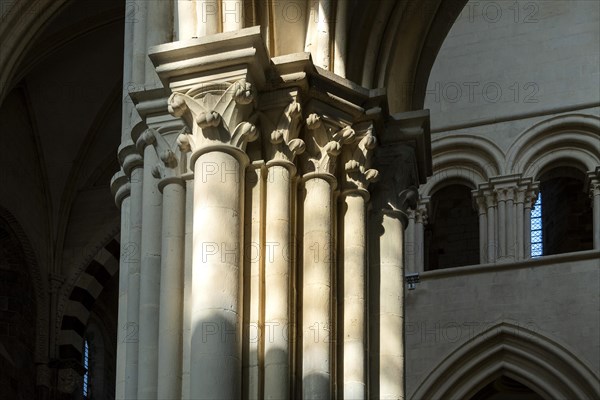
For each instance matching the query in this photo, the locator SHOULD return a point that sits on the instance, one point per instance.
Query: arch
(572, 139)
(40, 286)
(465, 159)
(517, 352)
(479, 152)
(449, 176)
(396, 43)
(82, 297)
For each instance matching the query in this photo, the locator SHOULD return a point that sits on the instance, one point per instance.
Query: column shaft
(391, 300)
(482, 236)
(316, 297)
(122, 316)
(138, 16)
(527, 230)
(133, 256)
(324, 25)
(491, 235)
(207, 17)
(341, 38)
(159, 30)
(216, 277)
(253, 285)
(171, 291)
(520, 229)
(278, 267)
(187, 290)
(502, 228)
(149, 280)
(510, 228)
(419, 245)
(354, 333)
(185, 20)
(596, 211)
(410, 248)
(233, 12)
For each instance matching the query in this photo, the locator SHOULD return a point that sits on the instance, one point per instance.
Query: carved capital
(530, 198)
(172, 163)
(510, 194)
(357, 158)
(283, 144)
(324, 141)
(422, 214)
(594, 188)
(520, 196)
(147, 138)
(218, 114)
(490, 199)
(500, 194)
(481, 202)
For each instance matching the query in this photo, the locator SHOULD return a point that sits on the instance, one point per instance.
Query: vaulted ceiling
(60, 129)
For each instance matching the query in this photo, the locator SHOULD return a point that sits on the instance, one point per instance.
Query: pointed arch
(517, 352)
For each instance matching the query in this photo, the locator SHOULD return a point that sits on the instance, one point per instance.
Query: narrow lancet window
(537, 248)
(86, 376)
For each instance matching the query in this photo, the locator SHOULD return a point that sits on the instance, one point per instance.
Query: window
(86, 365)
(537, 247)
(452, 232)
(566, 214)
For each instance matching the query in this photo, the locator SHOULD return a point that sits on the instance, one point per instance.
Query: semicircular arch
(574, 137)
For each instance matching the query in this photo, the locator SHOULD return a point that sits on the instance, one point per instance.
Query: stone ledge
(531, 263)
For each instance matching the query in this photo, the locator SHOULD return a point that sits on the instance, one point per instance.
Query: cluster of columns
(244, 194)
(504, 208)
(415, 235)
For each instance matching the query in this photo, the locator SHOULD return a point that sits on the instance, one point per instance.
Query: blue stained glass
(86, 377)
(536, 228)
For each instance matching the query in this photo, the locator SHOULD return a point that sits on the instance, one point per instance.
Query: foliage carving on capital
(147, 138)
(481, 203)
(284, 142)
(357, 160)
(530, 198)
(594, 188)
(422, 214)
(217, 114)
(172, 163)
(324, 140)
